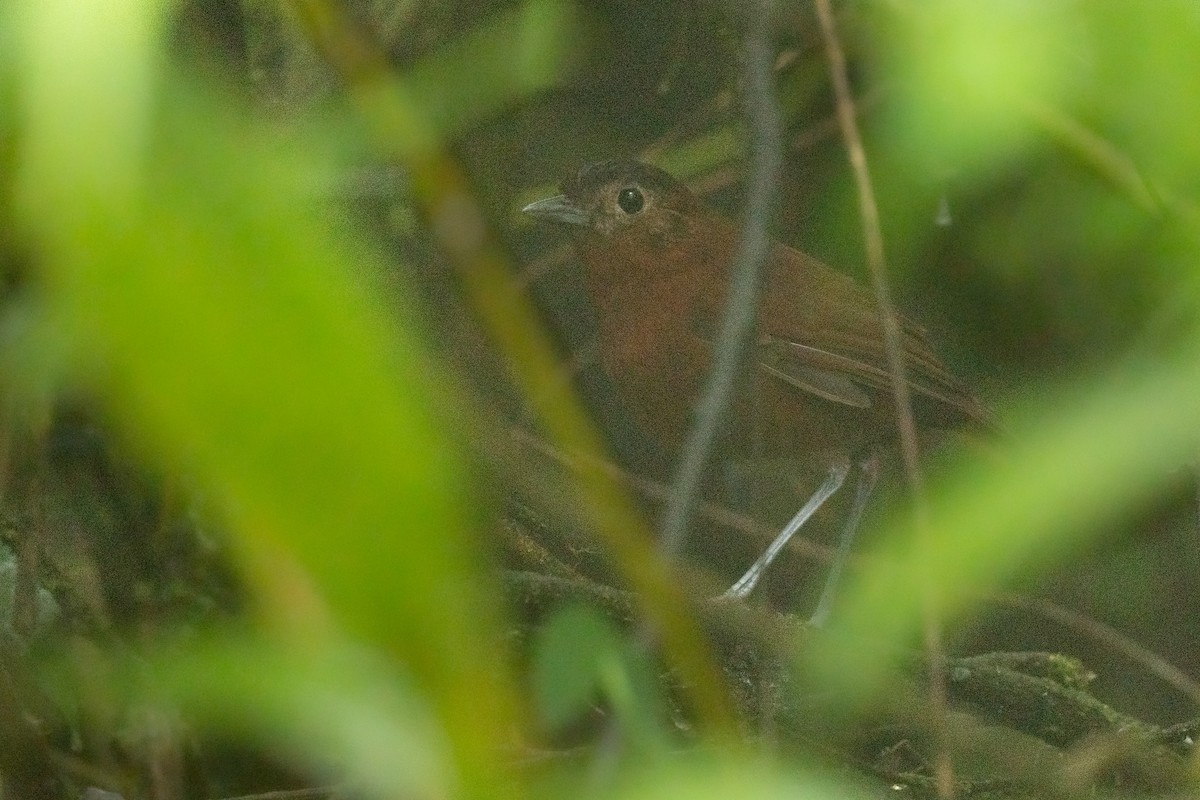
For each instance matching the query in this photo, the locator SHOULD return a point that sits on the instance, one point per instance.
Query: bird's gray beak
(558, 208)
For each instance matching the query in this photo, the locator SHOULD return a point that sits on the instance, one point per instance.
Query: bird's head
(614, 201)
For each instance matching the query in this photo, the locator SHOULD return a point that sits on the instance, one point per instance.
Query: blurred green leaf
(1074, 458)
(456, 87)
(634, 686)
(92, 63)
(504, 59)
(339, 709)
(966, 69)
(1143, 71)
(579, 659)
(690, 779)
(569, 655)
(231, 331)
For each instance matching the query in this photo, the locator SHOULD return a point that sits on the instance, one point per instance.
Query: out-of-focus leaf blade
(229, 329)
(339, 709)
(568, 656)
(965, 69)
(692, 780)
(1082, 456)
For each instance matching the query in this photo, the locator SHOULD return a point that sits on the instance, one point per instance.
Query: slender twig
(403, 131)
(876, 261)
(1105, 158)
(737, 328)
(1110, 637)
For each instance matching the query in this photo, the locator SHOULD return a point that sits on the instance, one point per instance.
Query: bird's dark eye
(630, 200)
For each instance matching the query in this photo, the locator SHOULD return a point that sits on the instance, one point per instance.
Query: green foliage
(580, 659)
(968, 70)
(232, 327)
(1100, 450)
(231, 332)
(341, 710)
(985, 90)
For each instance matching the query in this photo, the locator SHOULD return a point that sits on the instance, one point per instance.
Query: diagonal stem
(873, 235)
(737, 328)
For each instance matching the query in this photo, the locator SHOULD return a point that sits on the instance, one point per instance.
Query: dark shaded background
(1039, 269)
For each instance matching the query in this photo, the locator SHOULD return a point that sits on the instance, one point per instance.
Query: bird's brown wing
(821, 332)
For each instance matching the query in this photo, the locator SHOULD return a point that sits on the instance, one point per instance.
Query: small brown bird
(657, 269)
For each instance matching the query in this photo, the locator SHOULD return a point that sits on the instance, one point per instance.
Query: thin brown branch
(746, 276)
(403, 132)
(876, 262)
(1155, 664)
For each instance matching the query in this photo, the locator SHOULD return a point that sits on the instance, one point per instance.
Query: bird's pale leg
(867, 476)
(745, 584)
